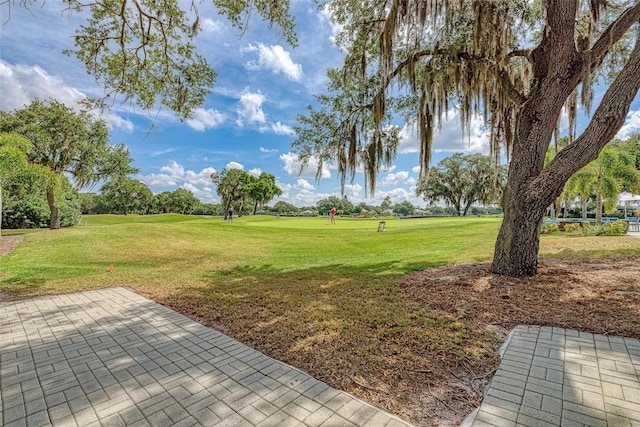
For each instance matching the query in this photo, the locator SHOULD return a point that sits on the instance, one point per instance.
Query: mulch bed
(600, 296)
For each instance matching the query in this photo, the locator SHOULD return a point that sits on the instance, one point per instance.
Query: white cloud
(306, 198)
(267, 150)
(206, 119)
(205, 194)
(276, 59)
(631, 126)
(389, 169)
(397, 178)
(235, 165)
(296, 168)
(286, 191)
(161, 152)
(174, 169)
(250, 108)
(303, 184)
(325, 15)
(211, 26)
(400, 195)
(175, 175)
(200, 178)
(115, 122)
(160, 180)
(450, 137)
(22, 83)
(278, 128)
(415, 169)
(255, 171)
(353, 190)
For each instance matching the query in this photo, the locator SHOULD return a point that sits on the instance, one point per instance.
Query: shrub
(550, 228)
(605, 229)
(573, 228)
(25, 212)
(32, 210)
(617, 228)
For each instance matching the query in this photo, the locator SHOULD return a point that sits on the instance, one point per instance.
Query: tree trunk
(255, 208)
(599, 204)
(584, 201)
(467, 206)
(531, 188)
(516, 252)
(55, 211)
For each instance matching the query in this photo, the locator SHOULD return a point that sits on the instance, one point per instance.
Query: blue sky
(262, 85)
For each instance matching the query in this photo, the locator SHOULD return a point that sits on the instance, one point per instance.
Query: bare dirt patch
(7, 243)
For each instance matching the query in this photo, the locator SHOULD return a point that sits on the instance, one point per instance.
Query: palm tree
(582, 185)
(606, 176)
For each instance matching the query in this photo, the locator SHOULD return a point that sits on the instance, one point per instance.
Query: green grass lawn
(176, 250)
(173, 249)
(321, 297)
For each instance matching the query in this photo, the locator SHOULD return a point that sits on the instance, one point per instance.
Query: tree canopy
(464, 179)
(125, 194)
(262, 190)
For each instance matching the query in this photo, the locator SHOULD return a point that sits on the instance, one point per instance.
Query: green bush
(32, 210)
(550, 228)
(25, 212)
(605, 229)
(573, 228)
(70, 212)
(617, 228)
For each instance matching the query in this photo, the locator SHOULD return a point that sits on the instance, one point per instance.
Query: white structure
(625, 198)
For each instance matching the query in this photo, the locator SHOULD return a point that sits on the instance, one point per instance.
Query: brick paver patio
(561, 377)
(113, 358)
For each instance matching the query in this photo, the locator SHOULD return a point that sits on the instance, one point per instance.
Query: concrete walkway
(113, 358)
(560, 377)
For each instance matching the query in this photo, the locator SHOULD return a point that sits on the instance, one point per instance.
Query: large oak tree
(517, 63)
(462, 180)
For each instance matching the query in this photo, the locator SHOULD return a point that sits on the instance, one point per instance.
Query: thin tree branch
(613, 34)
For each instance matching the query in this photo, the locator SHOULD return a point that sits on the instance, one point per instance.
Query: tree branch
(613, 34)
(606, 122)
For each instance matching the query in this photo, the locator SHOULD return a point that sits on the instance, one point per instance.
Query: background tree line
(49, 151)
